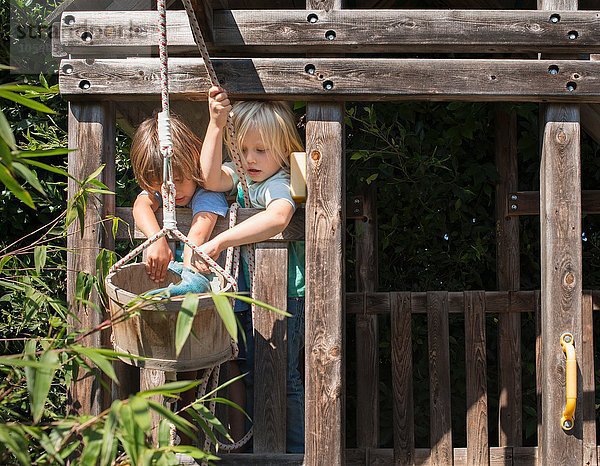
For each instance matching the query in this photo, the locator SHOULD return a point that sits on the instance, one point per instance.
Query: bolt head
(514, 197)
(567, 424)
(567, 338)
(514, 207)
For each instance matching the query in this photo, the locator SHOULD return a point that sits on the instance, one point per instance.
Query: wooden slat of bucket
(367, 328)
(402, 383)
(588, 409)
(439, 377)
(270, 360)
(476, 379)
(150, 378)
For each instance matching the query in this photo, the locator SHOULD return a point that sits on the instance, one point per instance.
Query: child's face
(259, 162)
(184, 190)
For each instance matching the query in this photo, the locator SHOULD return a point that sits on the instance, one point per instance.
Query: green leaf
(99, 360)
(141, 412)
(28, 175)
(16, 442)
(248, 299)
(19, 99)
(27, 88)
(14, 187)
(42, 382)
(171, 388)
(185, 319)
(6, 132)
(29, 355)
(211, 419)
(164, 433)
(225, 310)
(92, 441)
(39, 258)
(14, 362)
(94, 174)
(45, 166)
(180, 423)
(43, 153)
(108, 451)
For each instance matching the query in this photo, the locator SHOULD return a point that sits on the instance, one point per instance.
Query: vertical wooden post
(438, 332)
(560, 216)
(92, 136)
(270, 346)
(367, 329)
(151, 378)
(508, 278)
(402, 378)
(325, 230)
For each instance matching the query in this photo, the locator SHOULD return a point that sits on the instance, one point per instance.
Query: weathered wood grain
(367, 327)
(150, 378)
(325, 232)
(528, 202)
(561, 271)
(588, 406)
(440, 429)
(128, 230)
(402, 379)
(496, 302)
(476, 379)
(270, 360)
(92, 138)
(337, 79)
(356, 31)
(508, 278)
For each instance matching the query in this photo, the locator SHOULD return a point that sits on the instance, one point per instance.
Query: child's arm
(200, 230)
(158, 254)
(211, 155)
(259, 227)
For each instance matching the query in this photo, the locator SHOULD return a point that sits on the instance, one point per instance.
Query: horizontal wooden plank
(128, 230)
(522, 456)
(339, 78)
(113, 33)
(496, 302)
(528, 203)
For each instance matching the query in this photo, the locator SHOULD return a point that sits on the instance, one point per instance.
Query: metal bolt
(554, 19)
(330, 35)
(567, 424)
(514, 197)
(356, 200)
(572, 35)
(567, 338)
(357, 211)
(514, 207)
(312, 18)
(328, 85)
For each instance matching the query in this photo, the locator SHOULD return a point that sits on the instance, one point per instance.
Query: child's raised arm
(211, 156)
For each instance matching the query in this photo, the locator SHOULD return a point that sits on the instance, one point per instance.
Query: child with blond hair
(266, 136)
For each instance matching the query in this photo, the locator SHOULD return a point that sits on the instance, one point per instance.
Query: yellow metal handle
(567, 420)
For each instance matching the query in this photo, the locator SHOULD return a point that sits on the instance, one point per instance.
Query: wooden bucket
(151, 331)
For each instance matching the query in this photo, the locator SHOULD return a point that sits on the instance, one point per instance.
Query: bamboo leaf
(185, 319)
(171, 388)
(16, 442)
(29, 176)
(39, 258)
(41, 385)
(14, 187)
(93, 175)
(108, 451)
(27, 102)
(99, 360)
(6, 132)
(225, 310)
(45, 166)
(43, 153)
(248, 299)
(180, 423)
(141, 412)
(164, 433)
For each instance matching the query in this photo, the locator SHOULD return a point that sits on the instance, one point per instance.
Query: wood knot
(335, 352)
(315, 155)
(569, 278)
(561, 136)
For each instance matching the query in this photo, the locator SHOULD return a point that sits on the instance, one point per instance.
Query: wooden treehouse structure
(323, 54)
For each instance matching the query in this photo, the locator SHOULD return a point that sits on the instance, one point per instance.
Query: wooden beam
(129, 231)
(325, 326)
(270, 362)
(337, 31)
(528, 202)
(508, 278)
(367, 326)
(339, 78)
(561, 271)
(92, 138)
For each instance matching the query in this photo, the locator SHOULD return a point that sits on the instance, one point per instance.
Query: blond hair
(275, 123)
(147, 161)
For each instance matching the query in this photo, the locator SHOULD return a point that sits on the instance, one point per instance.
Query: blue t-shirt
(202, 201)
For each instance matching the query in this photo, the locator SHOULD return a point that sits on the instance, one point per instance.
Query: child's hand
(218, 106)
(212, 248)
(157, 260)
